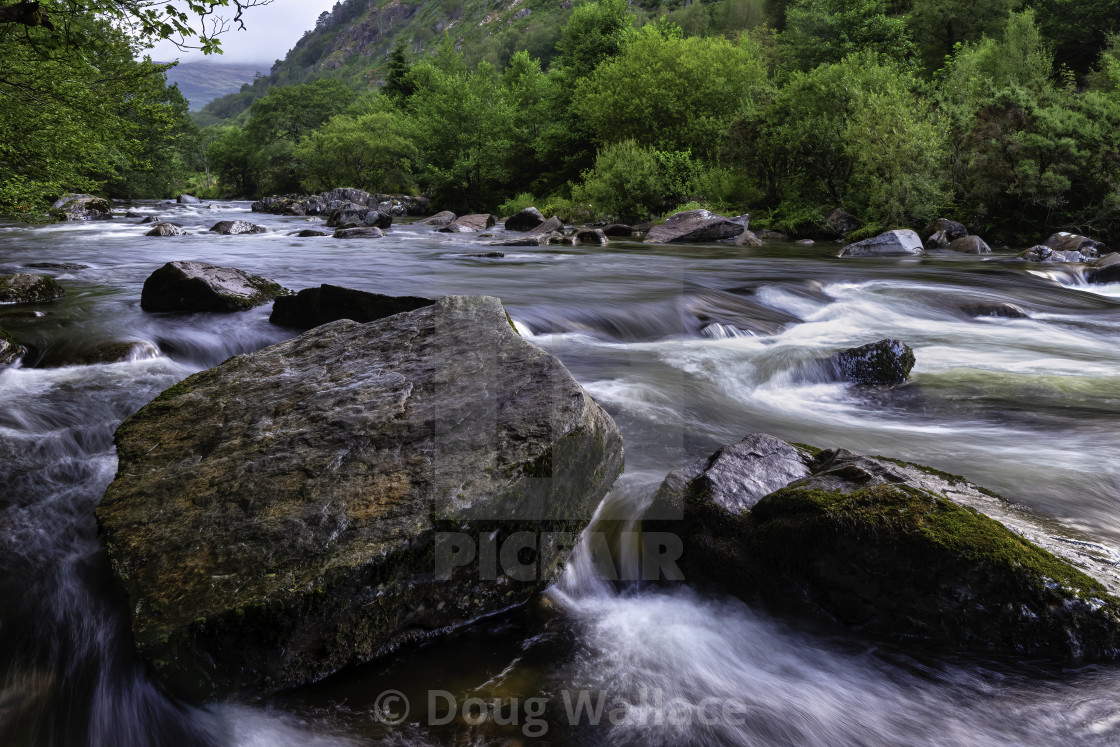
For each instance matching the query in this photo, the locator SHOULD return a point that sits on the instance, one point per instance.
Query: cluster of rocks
(941, 234)
(326, 203)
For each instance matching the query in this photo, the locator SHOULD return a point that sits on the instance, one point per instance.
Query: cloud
(270, 31)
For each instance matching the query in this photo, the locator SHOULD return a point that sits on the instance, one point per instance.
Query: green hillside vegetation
(994, 113)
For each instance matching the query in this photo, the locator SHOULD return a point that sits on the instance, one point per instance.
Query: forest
(1002, 114)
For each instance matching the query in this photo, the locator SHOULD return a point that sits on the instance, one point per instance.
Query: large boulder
(890, 244)
(166, 229)
(1104, 270)
(525, 220)
(352, 215)
(185, 199)
(82, 207)
(550, 225)
(697, 226)
(470, 223)
(1043, 253)
(969, 245)
(234, 227)
(312, 307)
(885, 362)
(10, 350)
(314, 504)
(894, 550)
(943, 232)
(26, 288)
(445, 218)
(196, 286)
(843, 222)
(1071, 242)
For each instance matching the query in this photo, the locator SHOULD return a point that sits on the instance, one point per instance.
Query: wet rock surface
(23, 287)
(275, 518)
(525, 220)
(197, 286)
(235, 227)
(901, 242)
(312, 307)
(890, 549)
(697, 226)
(886, 362)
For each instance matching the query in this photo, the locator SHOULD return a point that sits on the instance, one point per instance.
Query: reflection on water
(689, 348)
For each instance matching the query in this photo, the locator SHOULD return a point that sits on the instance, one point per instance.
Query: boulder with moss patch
(24, 287)
(892, 549)
(296, 510)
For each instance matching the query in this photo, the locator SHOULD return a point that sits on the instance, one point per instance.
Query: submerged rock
(312, 307)
(166, 229)
(280, 516)
(969, 245)
(885, 362)
(197, 286)
(943, 232)
(82, 207)
(618, 230)
(445, 218)
(994, 309)
(234, 227)
(369, 232)
(525, 220)
(10, 350)
(308, 233)
(56, 266)
(894, 550)
(537, 240)
(697, 226)
(26, 288)
(890, 244)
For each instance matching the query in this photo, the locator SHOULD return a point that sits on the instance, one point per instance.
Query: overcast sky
(270, 31)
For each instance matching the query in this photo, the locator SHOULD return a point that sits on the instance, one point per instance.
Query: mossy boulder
(278, 517)
(197, 286)
(26, 288)
(894, 550)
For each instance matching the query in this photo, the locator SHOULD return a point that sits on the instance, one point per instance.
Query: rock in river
(890, 549)
(196, 286)
(82, 207)
(283, 515)
(697, 226)
(889, 244)
(234, 227)
(328, 303)
(166, 229)
(525, 220)
(10, 350)
(26, 288)
(439, 219)
(884, 362)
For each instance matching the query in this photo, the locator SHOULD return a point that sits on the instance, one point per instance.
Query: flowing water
(688, 348)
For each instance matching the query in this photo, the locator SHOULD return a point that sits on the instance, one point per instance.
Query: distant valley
(202, 82)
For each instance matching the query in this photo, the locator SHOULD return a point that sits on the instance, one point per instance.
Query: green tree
(826, 31)
(398, 87)
(369, 151)
(938, 26)
(671, 93)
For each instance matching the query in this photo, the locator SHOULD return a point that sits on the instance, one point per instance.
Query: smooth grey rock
(1105, 270)
(746, 238)
(196, 286)
(275, 518)
(884, 362)
(352, 215)
(551, 225)
(969, 245)
(697, 226)
(166, 229)
(370, 232)
(312, 307)
(470, 223)
(525, 220)
(186, 199)
(445, 218)
(943, 232)
(890, 244)
(1042, 253)
(23, 287)
(234, 227)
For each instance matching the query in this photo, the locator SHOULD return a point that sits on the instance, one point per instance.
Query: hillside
(352, 42)
(202, 82)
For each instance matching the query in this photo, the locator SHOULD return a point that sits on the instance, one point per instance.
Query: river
(689, 348)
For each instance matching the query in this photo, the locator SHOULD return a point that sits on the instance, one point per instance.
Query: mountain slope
(202, 82)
